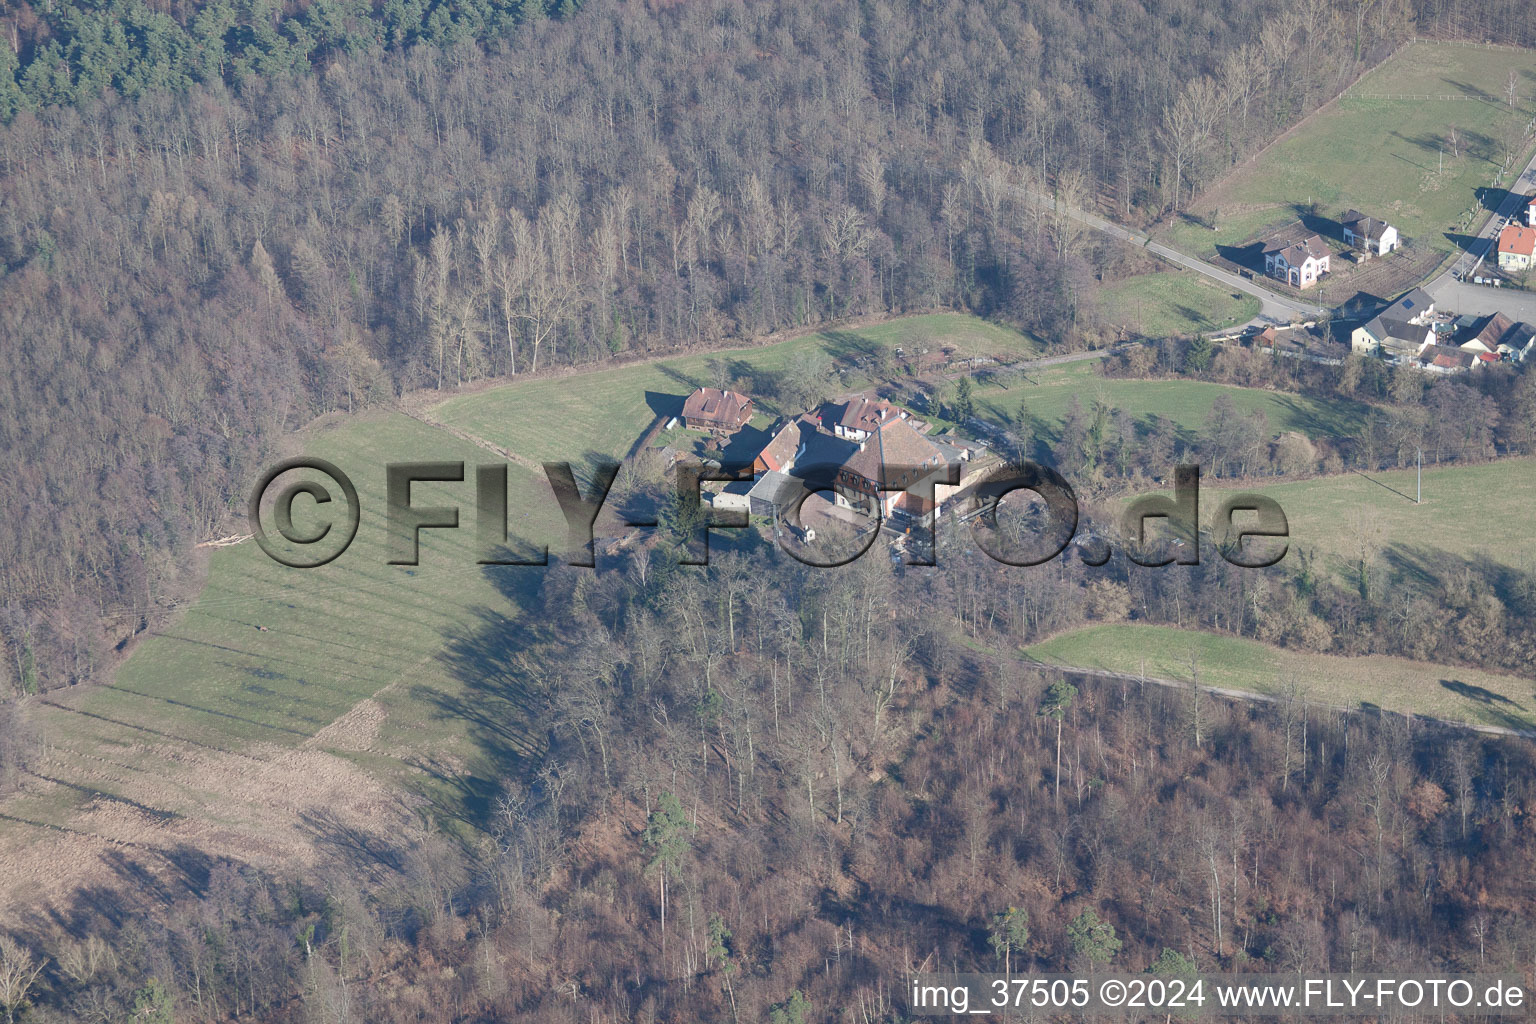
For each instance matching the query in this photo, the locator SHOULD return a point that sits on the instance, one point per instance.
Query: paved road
(1480, 300)
(1273, 307)
(1490, 229)
(1461, 297)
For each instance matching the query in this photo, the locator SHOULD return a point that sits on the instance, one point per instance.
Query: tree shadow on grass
(672, 373)
(365, 853)
(761, 382)
(1481, 694)
(1491, 198)
(500, 699)
(1250, 256)
(850, 347)
(663, 404)
(1194, 316)
(1478, 91)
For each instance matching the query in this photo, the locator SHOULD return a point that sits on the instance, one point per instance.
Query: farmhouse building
(859, 417)
(1298, 264)
(870, 476)
(714, 409)
(1368, 234)
(1515, 247)
(898, 458)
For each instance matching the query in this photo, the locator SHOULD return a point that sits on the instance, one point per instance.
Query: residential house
(1485, 340)
(714, 409)
(1401, 330)
(1499, 338)
(1299, 264)
(1516, 244)
(1368, 234)
(1391, 336)
(796, 449)
(735, 496)
(1518, 342)
(774, 494)
(1416, 305)
(1311, 344)
(957, 447)
(860, 417)
(1530, 210)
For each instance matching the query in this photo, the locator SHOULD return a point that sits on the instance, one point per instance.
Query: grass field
(1381, 155)
(219, 733)
(1175, 302)
(1394, 684)
(1186, 402)
(607, 410)
(1469, 514)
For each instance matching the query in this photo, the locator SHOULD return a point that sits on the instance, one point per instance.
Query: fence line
(1350, 94)
(1468, 42)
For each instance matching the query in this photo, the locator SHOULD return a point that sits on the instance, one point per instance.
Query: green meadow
(604, 411)
(1387, 157)
(1393, 684)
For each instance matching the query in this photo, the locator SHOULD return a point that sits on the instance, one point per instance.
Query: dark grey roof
(1415, 303)
(1363, 224)
(951, 453)
(778, 489)
(1399, 327)
(1519, 335)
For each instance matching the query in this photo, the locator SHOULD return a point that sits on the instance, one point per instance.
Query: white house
(858, 418)
(1374, 236)
(1298, 264)
(1402, 330)
(1516, 244)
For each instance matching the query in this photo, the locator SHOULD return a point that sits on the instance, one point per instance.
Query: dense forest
(773, 806)
(748, 803)
(190, 273)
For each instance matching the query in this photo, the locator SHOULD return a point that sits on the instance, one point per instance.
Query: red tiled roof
(903, 448)
(780, 451)
(861, 414)
(713, 405)
(1520, 241)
